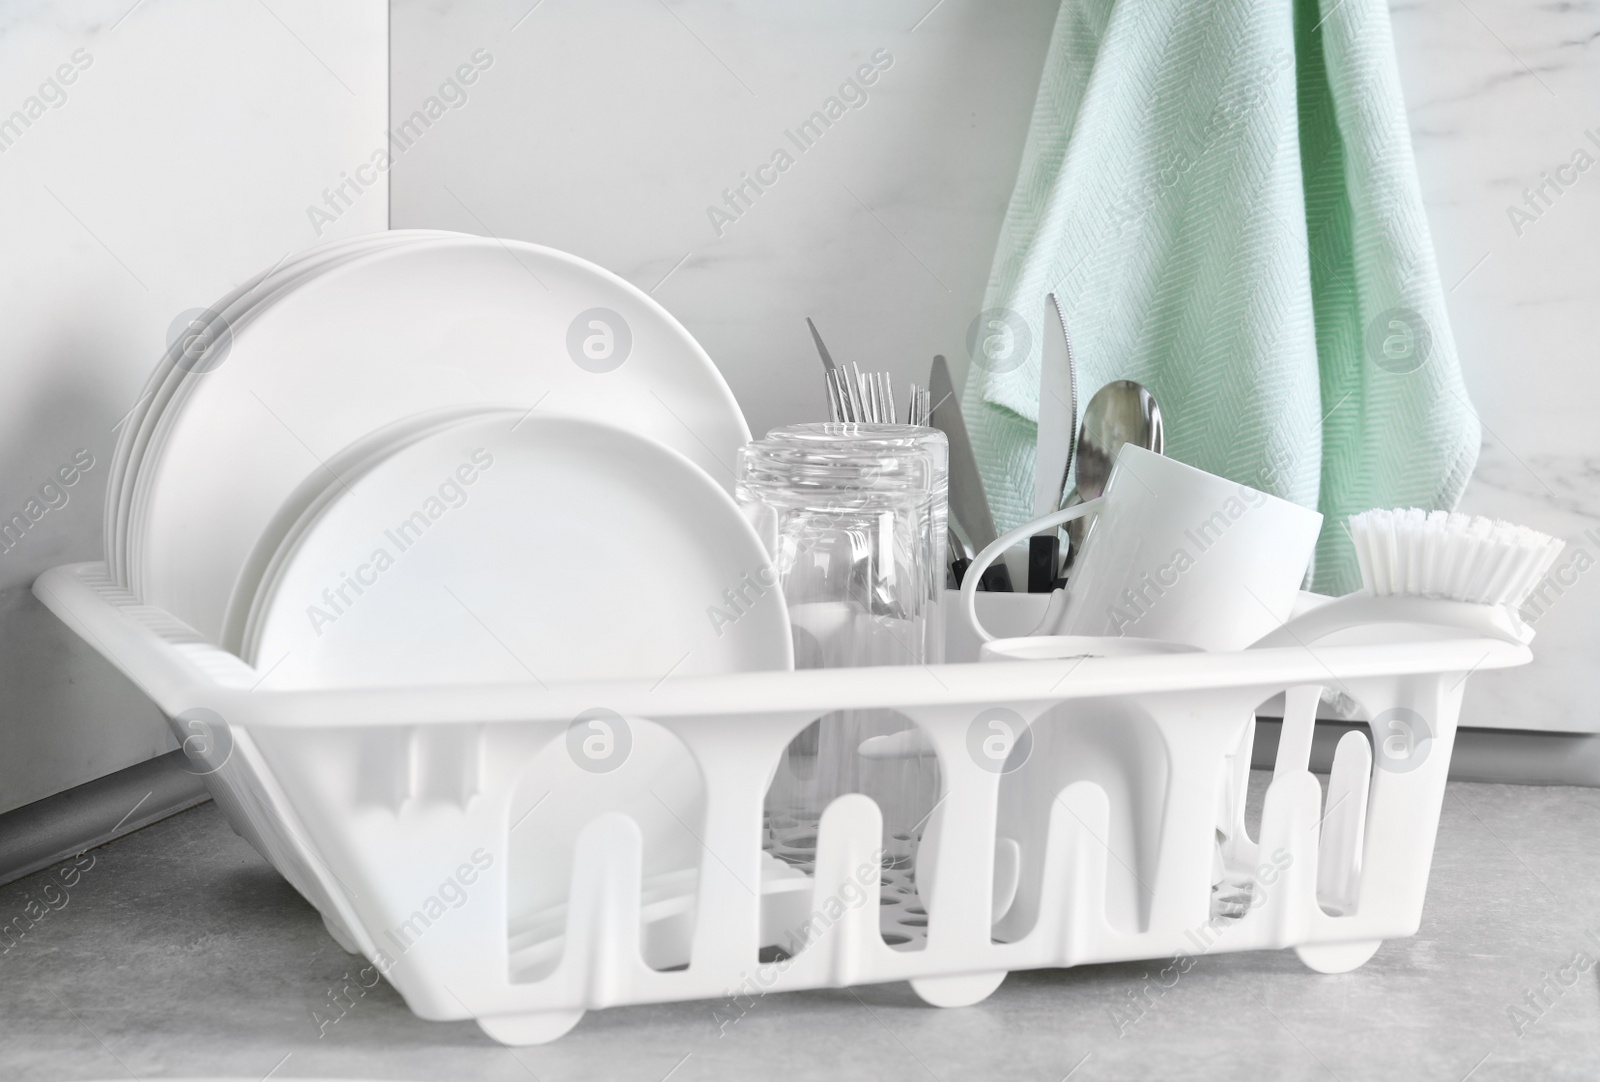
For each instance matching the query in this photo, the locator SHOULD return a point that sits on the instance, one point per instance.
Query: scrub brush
(1445, 554)
(1434, 567)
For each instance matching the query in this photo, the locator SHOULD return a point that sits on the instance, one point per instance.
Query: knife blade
(1054, 435)
(822, 350)
(968, 504)
(1058, 412)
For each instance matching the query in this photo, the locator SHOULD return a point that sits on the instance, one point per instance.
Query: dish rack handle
(1362, 609)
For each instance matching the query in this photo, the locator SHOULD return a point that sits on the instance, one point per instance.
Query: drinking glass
(854, 517)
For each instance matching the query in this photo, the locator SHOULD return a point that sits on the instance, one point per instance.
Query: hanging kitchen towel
(1222, 194)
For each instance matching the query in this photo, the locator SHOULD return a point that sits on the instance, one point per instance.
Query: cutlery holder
(423, 822)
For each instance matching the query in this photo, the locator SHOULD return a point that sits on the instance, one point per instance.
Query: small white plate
(507, 547)
(307, 501)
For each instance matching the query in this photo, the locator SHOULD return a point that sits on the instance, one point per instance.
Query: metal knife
(968, 505)
(1058, 412)
(822, 350)
(838, 400)
(1057, 429)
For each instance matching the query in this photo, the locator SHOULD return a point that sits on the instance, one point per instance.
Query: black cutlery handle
(996, 578)
(1044, 562)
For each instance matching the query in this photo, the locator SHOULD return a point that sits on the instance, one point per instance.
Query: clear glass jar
(854, 516)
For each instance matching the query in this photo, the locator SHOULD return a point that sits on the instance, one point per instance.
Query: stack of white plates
(424, 457)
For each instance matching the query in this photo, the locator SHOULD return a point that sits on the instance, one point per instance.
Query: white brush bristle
(1445, 554)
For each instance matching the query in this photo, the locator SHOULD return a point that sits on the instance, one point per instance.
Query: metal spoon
(1121, 412)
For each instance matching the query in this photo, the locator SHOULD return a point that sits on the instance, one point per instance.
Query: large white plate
(230, 309)
(133, 434)
(507, 546)
(180, 381)
(383, 337)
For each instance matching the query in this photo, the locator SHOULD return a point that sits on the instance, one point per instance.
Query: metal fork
(854, 395)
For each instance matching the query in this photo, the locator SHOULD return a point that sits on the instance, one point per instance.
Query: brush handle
(1357, 610)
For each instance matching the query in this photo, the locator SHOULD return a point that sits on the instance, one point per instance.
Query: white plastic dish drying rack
(369, 800)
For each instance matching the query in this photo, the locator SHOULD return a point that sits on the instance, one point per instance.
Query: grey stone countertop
(178, 952)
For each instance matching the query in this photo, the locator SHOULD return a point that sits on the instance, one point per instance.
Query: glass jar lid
(858, 463)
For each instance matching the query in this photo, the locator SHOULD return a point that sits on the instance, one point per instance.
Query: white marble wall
(1500, 94)
(178, 160)
(608, 130)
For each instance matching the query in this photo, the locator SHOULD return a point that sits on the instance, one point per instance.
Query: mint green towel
(1222, 194)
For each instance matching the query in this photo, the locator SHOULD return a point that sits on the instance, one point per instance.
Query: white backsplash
(1499, 93)
(179, 160)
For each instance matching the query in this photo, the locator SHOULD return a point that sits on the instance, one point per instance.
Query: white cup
(1178, 554)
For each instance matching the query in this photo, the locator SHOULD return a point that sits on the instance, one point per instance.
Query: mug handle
(969, 582)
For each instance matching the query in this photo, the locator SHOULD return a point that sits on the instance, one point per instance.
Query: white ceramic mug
(1175, 553)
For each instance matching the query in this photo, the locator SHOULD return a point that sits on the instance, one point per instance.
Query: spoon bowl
(1121, 412)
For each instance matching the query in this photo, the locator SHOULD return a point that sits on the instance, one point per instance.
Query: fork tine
(841, 395)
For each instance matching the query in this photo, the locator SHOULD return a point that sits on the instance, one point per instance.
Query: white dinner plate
(231, 308)
(510, 546)
(385, 336)
(180, 382)
(131, 436)
(133, 425)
